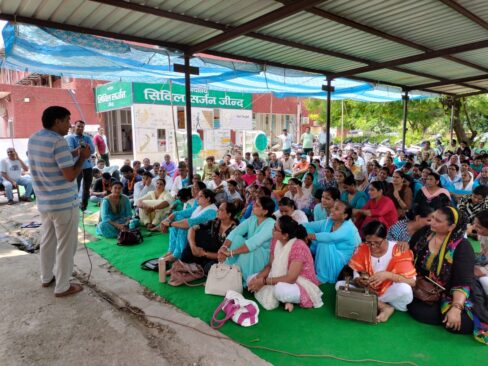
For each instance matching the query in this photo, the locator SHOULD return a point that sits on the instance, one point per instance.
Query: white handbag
(223, 277)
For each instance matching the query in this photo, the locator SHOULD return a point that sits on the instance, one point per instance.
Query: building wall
(25, 104)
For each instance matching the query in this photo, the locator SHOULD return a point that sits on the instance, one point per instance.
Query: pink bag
(242, 311)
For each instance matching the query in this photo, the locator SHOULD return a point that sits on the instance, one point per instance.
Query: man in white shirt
(11, 169)
(285, 141)
(144, 186)
(181, 181)
(323, 139)
(232, 195)
(238, 163)
(287, 163)
(166, 177)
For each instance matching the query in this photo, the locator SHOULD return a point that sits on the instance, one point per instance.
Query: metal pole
(189, 144)
(452, 119)
(405, 117)
(342, 123)
(327, 120)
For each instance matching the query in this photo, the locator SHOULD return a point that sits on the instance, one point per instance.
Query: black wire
(84, 244)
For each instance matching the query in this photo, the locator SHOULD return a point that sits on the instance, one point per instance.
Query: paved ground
(94, 326)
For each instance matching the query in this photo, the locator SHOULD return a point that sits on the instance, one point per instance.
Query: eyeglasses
(374, 244)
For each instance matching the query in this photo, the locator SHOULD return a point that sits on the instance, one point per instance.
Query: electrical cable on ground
(291, 354)
(84, 244)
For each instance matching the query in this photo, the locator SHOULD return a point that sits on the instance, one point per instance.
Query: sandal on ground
(48, 284)
(73, 289)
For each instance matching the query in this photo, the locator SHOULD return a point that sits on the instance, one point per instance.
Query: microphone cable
(84, 244)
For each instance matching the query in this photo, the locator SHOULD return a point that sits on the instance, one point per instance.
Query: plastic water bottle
(162, 270)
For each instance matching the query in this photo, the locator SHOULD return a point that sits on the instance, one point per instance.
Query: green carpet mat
(304, 331)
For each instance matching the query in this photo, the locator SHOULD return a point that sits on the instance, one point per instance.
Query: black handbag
(129, 237)
(151, 265)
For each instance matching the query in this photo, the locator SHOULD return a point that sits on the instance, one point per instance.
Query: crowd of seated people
(291, 223)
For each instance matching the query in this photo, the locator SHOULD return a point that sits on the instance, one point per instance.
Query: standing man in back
(285, 141)
(101, 146)
(53, 172)
(74, 142)
(307, 141)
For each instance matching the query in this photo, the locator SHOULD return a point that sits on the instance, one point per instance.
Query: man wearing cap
(285, 141)
(301, 167)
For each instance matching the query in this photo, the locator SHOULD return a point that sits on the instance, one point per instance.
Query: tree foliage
(426, 117)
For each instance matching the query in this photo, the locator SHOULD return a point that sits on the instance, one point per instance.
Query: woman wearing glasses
(384, 268)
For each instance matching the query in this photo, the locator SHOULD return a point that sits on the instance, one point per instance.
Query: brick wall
(27, 115)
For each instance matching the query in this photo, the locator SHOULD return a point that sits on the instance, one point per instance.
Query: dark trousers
(87, 176)
(105, 158)
(431, 314)
(307, 150)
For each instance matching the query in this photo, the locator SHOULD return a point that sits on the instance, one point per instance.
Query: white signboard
(216, 140)
(145, 141)
(153, 116)
(202, 119)
(236, 119)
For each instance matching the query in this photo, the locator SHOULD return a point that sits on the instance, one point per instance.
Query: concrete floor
(92, 327)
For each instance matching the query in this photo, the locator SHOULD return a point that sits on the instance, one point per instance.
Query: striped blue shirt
(48, 154)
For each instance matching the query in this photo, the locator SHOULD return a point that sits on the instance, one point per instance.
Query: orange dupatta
(400, 263)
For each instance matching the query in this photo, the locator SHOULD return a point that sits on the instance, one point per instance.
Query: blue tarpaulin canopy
(56, 52)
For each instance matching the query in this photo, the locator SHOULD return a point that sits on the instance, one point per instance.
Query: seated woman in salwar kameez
(384, 268)
(248, 244)
(179, 223)
(328, 198)
(289, 277)
(355, 198)
(115, 213)
(333, 242)
(154, 205)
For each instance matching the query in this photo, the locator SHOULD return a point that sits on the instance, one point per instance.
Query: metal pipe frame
(189, 142)
(405, 98)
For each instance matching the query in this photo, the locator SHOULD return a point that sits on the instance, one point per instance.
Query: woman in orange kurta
(385, 269)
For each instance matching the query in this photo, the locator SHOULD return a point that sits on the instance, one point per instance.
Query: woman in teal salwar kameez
(350, 195)
(115, 213)
(179, 222)
(333, 242)
(248, 244)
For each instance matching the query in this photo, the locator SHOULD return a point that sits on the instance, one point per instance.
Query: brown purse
(183, 273)
(427, 290)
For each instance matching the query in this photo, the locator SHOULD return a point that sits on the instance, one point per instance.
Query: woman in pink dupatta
(432, 193)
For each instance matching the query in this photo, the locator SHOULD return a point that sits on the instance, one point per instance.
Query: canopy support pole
(329, 89)
(188, 70)
(452, 120)
(405, 98)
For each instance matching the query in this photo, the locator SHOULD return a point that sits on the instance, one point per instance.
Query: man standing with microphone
(54, 172)
(76, 140)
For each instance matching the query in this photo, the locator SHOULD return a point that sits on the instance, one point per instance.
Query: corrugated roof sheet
(373, 31)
